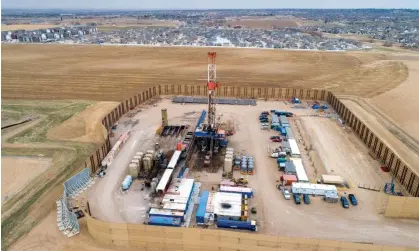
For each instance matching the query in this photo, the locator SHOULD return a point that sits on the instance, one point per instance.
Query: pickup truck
(287, 194)
(353, 199)
(306, 199)
(344, 201)
(297, 199)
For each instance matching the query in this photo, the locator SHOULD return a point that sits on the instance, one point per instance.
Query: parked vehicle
(344, 201)
(286, 193)
(353, 199)
(275, 137)
(276, 140)
(306, 199)
(297, 199)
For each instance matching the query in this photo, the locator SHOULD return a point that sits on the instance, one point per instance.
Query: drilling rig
(208, 135)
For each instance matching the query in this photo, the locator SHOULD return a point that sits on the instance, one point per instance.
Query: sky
(209, 4)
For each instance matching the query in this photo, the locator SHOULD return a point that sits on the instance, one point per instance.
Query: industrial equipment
(209, 135)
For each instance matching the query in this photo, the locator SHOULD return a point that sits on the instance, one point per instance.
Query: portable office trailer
(295, 151)
(166, 213)
(202, 208)
(164, 221)
(314, 189)
(228, 206)
(247, 225)
(241, 190)
(299, 169)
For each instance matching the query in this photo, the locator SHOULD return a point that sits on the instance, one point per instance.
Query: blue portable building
(202, 208)
(283, 131)
(247, 225)
(164, 221)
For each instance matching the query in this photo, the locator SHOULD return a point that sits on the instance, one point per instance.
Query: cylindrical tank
(127, 182)
(147, 163)
(229, 155)
(164, 120)
(136, 162)
(153, 186)
(228, 165)
(133, 170)
(150, 152)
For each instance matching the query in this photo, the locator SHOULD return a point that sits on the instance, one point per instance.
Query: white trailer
(299, 169)
(295, 151)
(314, 189)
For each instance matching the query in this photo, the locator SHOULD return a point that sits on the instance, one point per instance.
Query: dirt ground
(16, 172)
(34, 166)
(116, 72)
(275, 214)
(407, 153)
(400, 103)
(85, 126)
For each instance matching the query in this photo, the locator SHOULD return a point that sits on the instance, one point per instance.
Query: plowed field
(116, 72)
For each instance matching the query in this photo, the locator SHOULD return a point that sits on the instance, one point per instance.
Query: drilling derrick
(209, 137)
(212, 85)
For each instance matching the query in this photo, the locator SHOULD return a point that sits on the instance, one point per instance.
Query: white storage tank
(133, 170)
(229, 155)
(228, 165)
(153, 186)
(147, 163)
(150, 152)
(136, 162)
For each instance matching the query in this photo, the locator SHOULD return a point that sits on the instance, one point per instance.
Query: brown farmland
(116, 72)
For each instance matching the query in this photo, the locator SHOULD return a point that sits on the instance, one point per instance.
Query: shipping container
(164, 221)
(246, 225)
(200, 213)
(290, 168)
(288, 179)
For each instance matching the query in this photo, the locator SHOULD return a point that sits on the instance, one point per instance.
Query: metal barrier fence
(67, 220)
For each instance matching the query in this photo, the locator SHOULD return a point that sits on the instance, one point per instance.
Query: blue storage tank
(164, 221)
(247, 225)
(202, 208)
(127, 182)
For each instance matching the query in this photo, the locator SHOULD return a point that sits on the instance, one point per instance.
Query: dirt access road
(276, 215)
